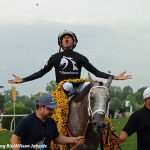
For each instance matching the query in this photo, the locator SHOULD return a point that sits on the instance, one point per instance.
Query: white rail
(12, 121)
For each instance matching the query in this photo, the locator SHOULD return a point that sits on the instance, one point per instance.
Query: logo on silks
(68, 61)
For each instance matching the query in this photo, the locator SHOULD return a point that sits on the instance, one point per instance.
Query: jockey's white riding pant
(67, 86)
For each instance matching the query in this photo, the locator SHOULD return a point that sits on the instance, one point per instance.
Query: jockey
(68, 64)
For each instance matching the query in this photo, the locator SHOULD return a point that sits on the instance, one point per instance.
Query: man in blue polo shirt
(36, 130)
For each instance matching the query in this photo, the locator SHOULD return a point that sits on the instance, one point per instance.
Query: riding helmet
(74, 37)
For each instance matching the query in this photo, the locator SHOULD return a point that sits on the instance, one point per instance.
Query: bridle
(90, 112)
(90, 115)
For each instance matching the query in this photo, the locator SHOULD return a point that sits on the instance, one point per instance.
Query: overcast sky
(113, 34)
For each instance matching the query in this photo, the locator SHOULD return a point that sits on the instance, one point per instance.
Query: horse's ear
(109, 81)
(90, 79)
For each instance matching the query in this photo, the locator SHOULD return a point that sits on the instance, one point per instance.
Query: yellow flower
(109, 132)
(61, 113)
(61, 117)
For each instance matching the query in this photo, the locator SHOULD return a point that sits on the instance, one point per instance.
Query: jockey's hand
(79, 140)
(122, 76)
(16, 80)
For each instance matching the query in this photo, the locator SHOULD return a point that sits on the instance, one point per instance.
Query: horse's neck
(78, 124)
(78, 117)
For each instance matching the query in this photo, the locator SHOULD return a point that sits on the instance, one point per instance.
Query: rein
(106, 136)
(76, 146)
(90, 114)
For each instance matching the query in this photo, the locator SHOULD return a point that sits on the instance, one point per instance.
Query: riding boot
(73, 92)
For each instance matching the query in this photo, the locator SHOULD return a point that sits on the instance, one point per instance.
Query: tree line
(119, 96)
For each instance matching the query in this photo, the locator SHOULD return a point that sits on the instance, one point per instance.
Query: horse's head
(98, 99)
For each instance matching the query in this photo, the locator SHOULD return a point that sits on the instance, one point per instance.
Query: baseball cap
(47, 101)
(146, 93)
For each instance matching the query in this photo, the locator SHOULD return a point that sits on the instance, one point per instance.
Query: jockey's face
(67, 42)
(147, 103)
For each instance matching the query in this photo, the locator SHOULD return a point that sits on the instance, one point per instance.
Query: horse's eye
(91, 97)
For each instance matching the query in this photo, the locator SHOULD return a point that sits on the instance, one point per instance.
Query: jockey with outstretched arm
(68, 64)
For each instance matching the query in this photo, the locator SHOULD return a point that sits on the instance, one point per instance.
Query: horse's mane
(79, 96)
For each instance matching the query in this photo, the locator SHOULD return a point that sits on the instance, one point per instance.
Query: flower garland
(61, 117)
(108, 133)
(61, 113)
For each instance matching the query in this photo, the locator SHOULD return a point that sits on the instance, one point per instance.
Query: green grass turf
(129, 144)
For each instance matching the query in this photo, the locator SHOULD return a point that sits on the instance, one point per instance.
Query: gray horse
(86, 114)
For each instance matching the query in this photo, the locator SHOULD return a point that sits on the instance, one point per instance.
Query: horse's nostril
(98, 130)
(94, 123)
(99, 127)
(100, 124)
